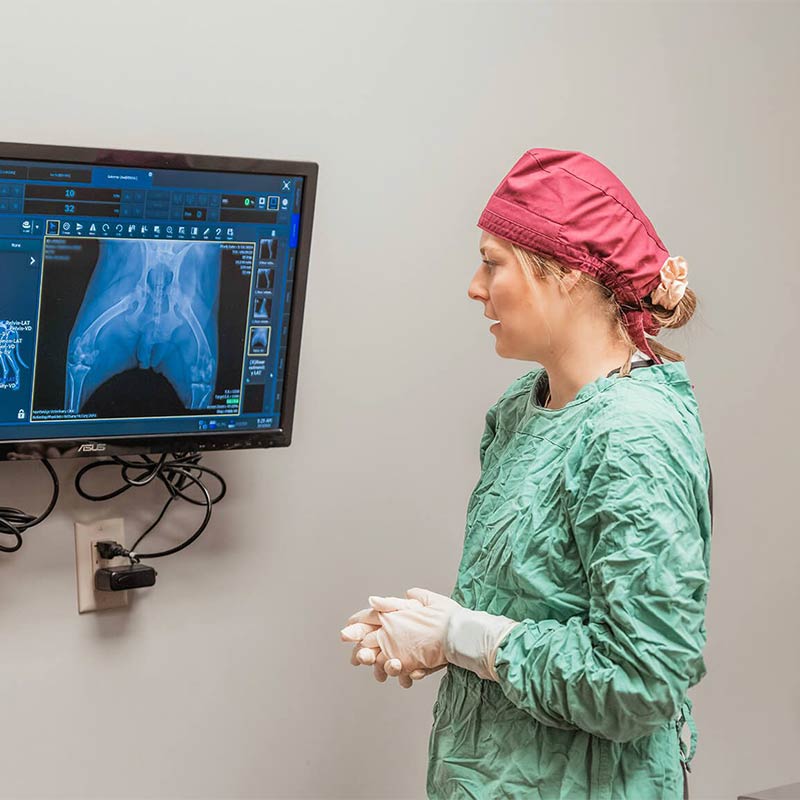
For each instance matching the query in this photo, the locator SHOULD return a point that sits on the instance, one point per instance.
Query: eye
(489, 264)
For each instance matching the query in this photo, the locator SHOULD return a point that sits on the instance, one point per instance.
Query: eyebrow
(483, 250)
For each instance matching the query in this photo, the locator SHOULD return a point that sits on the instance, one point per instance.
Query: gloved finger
(393, 667)
(388, 604)
(423, 673)
(405, 681)
(367, 615)
(356, 632)
(354, 655)
(371, 639)
(367, 655)
(423, 596)
(378, 670)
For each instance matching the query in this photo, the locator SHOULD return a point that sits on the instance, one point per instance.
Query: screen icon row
(56, 227)
(271, 203)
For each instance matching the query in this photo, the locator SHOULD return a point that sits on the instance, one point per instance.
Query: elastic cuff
(472, 640)
(493, 655)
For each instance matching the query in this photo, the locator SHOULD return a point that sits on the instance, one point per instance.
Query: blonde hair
(538, 266)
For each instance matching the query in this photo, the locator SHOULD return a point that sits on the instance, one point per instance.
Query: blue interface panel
(142, 301)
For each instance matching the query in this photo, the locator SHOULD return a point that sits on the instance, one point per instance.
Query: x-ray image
(268, 249)
(263, 308)
(148, 304)
(133, 328)
(264, 279)
(259, 341)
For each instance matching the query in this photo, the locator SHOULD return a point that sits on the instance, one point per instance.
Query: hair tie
(674, 280)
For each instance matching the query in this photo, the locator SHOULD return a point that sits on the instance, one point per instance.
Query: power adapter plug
(120, 579)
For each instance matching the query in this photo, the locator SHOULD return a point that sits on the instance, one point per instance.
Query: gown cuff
(472, 639)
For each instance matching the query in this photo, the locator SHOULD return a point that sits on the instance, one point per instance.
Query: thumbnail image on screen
(140, 328)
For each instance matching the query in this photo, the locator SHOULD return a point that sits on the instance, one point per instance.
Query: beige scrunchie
(673, 284)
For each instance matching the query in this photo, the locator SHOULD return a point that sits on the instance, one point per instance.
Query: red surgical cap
(569, 206)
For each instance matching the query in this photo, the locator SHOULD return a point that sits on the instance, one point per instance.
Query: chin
(502, 351)
(505, 352)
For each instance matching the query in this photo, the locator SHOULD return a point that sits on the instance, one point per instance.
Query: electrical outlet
(87, 561)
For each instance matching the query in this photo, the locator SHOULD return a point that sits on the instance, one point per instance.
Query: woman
(576, 625)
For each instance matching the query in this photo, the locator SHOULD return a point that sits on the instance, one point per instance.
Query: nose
(476, 289)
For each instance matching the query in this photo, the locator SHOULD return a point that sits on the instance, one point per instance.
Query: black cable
(14, 522)
(176, 474)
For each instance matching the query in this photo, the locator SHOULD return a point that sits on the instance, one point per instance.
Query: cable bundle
(177, 472)
(14, 522)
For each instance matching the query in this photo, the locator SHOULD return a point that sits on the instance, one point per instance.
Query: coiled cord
(14, 522)
(177, 472)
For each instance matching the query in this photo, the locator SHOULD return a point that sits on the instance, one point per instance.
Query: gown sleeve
(635, 495)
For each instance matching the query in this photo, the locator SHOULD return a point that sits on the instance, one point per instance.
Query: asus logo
(91, 447)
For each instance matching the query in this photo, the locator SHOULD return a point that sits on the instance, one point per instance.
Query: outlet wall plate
(87, 561)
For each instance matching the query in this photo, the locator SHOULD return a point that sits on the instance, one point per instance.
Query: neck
(571, 370)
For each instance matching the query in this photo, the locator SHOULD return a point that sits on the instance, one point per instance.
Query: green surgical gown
(590, 525)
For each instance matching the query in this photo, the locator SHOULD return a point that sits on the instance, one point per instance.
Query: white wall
(229, 679)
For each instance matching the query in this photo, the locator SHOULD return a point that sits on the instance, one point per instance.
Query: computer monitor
(150, 302)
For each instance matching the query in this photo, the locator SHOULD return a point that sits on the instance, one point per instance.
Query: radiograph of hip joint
(259, 340)
(10, 360)
(148, 305)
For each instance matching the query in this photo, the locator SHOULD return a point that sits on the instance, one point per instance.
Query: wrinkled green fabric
(590, 525)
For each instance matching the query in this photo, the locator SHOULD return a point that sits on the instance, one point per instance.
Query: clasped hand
(401, 637)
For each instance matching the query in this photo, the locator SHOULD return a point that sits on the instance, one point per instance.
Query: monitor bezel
(18, 449)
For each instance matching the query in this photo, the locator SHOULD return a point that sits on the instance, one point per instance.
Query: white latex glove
(367, 621)
(440, 632)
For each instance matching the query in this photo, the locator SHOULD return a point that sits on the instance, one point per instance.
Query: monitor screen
(149, 301)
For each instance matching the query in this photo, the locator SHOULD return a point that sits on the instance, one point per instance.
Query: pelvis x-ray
(259, 341)
(148, 305)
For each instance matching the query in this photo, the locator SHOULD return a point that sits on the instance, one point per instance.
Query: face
(529, 317)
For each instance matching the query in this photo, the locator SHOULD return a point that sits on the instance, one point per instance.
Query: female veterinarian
(576, 625)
